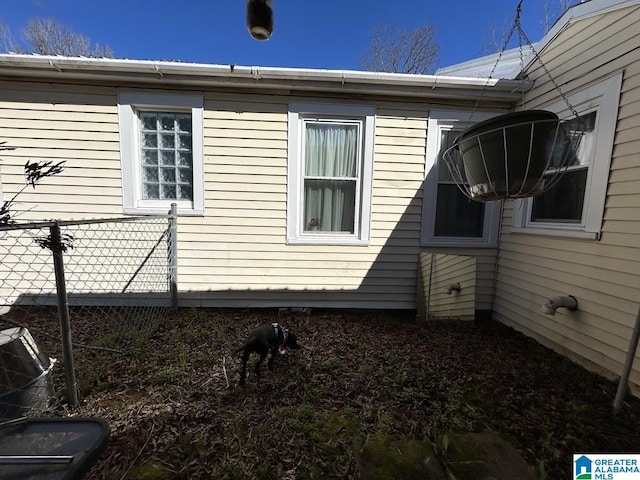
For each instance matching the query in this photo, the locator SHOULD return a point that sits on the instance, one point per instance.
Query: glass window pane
(150, 174)
(167, 122)
(159, 139)
(151, 192)
(185, 159)
(168, 175)
(331, 150)
(185, 192)
(329, 205)
(456, 214)
(150, 157)
(167, 140)
(149, 140)
(586, 124)
(168, 157)
(584, 128)
(446, 140)
(185, 175)
(169, 192)
(149, 121)
(564, 201)
(184, 123)
(184, 142)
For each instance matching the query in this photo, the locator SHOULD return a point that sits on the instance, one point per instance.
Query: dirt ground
(176, 412)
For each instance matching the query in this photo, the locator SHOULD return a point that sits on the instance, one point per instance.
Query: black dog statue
(267, 338)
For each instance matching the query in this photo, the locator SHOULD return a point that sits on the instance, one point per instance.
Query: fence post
(63, 313)
(173, 255)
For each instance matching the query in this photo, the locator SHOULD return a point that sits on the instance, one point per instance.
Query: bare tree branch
(551, 14)
(399, 50)
(48, 37)
(7, 41)
(497, 34)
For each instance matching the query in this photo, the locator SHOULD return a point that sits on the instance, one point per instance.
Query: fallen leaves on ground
(176, 411)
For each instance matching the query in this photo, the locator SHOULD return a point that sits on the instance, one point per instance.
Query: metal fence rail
(106, 284)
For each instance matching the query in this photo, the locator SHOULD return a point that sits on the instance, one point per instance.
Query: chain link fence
(77, 287)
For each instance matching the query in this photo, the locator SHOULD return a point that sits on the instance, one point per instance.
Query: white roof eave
(196, 74)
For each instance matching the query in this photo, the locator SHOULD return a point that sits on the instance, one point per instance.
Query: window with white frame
(449, 217)
(574, 206)
(330, 157)
(161, 146)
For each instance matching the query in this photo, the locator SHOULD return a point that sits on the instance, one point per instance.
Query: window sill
(163, 211)
(458, 244)
(557, 232)
(333, 241)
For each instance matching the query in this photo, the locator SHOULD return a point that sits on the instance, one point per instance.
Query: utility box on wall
(446, 286)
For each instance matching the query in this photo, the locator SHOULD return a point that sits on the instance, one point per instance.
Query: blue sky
(331, 34)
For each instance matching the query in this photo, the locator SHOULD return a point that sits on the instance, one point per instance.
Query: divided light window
(167, 156)
(162, 152)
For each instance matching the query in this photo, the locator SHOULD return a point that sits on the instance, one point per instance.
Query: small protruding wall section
(447, 286)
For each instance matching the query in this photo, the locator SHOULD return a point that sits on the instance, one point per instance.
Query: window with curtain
(330, 170)
(331, 165)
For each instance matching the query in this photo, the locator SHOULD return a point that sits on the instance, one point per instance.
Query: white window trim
(295, 231)
(438, 121)
(129, 103)
(604, 97)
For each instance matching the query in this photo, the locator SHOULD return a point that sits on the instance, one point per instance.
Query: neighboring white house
(321, 188)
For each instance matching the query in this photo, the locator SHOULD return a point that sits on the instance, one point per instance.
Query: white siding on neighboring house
(602, 274)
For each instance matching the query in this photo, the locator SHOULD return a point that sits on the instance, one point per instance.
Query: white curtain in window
(585, 151)
(330, 177)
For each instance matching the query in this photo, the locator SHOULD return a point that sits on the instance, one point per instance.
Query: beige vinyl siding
(603, 275)
(485, 261)
(70, 123)
(235, 255)
(438, 273)
(238, 256)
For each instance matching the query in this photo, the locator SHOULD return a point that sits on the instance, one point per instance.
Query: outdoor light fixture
(260, 18)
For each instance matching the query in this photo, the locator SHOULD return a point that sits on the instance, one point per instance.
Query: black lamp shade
(260, 18)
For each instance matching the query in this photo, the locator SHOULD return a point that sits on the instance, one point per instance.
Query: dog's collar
(277, 329)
